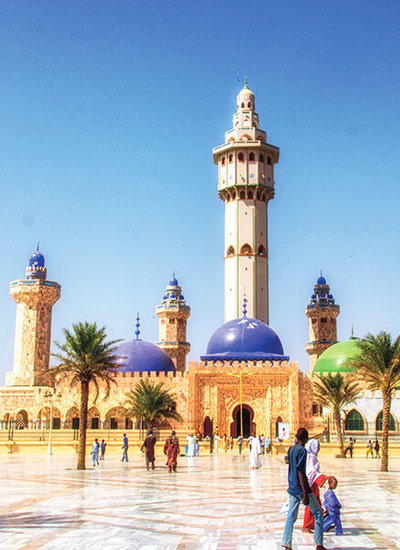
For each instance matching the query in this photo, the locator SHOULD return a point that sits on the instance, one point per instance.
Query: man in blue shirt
(299, 490)
(125, 449)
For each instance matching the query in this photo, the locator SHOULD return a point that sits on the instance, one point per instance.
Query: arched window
(258, 195)
(249, 105)
(261, 158)
(354, 422)
(379, 422)
(251, 157)
(250, 195)
(246, 249)
(230, 251)
(233, 196)
(240, 157)
(223, 161)
(269, 160)
(230, 159)
(242, 105)
(242, 195)
(262, 251)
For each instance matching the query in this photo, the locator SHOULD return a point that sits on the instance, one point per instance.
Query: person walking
(216, 441)
(315, 480)
(148, 447)
(370, 449)
(125, 449)
(171, 449)
(191, 442)
(103, 446)
(240, 443)
(95, 452)
(255, 453)
(262, 443)
(376, 449)
(299, 491)
(349, 448)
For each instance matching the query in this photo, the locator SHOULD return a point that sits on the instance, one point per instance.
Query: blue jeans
(316, 510)
(125, 454)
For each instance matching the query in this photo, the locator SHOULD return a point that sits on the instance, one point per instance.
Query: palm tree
(86, 357)
(335, 392)
(152, 402)
(378, 365)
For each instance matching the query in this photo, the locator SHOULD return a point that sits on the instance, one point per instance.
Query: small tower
(246, 185)
(173, 314)
(35, 297)
(321, 313)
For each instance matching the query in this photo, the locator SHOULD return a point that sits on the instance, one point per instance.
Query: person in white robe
(255, 453)
(191, 439)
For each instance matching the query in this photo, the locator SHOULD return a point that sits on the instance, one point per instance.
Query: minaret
(173, 314)
(246, 184)
(321, 313)
(35, 297)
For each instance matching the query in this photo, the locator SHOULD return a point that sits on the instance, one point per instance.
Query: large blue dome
(36, 260)
(140, 356)
(244, 339)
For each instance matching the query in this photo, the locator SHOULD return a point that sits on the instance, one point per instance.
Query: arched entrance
(249, 427)
(208, 426)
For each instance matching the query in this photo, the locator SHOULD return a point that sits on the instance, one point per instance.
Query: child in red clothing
(315, 480)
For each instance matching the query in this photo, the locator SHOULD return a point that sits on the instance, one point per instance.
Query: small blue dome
(172, 295)
(181, 297)
(36, 260)
(165, 297)
(323, 295)
(140, 356)
(313, 297)
(321, 281)
(330, 296)
(174, 282)
(244, 339)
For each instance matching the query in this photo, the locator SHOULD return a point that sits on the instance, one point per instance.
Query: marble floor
(212, 503)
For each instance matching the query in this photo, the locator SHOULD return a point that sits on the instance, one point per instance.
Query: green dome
(332, 359)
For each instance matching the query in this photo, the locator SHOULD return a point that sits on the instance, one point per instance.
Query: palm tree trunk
(338, 427)
(385, 431)
(83, 413)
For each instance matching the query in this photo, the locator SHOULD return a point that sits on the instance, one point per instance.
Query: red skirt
(308, 522)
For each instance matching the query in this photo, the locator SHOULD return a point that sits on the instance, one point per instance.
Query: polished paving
(212, 503)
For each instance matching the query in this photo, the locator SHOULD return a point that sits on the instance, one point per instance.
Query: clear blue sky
(109, 111)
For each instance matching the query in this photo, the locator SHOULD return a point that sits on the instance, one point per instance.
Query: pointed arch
(246, 250)
(262, 251)
(252, 157)
(355, 422)
(246, 137)
(230, 252)
(392, 422)
(21, 420)
(240, 157)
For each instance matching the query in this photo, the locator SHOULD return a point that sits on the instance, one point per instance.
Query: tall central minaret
(246, 184)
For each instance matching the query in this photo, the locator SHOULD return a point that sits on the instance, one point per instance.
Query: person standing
(216, 441)
(148, 447)
(240, 443)
(95, 452)
(125, 449)
(299, 490)
(103, 446)
(231, 442)
(171, 449)
(255, 452)
(262, 443)
(376, 449)
(369, 449)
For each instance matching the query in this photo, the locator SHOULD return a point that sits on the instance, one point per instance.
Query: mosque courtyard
(213, 502)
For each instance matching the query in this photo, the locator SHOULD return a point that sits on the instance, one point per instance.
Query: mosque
(244, 382)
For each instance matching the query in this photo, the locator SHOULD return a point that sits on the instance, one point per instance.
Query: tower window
(223, 161)
(258, 195)
(269, 160)
(233, 196)
(323, 320)
(249, 195)
(246, 250)
(230, 159)
(262, 251)
(230, 251)
(261, 158)
(172, 321)
(242, 105)
(242, 195)
(240, 157)
(251, 157)
(249, 105)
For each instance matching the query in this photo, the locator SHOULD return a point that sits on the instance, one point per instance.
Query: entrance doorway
(249, 426)
(208, 426)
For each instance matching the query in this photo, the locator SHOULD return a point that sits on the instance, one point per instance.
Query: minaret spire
(246, 184)
(137, 331)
